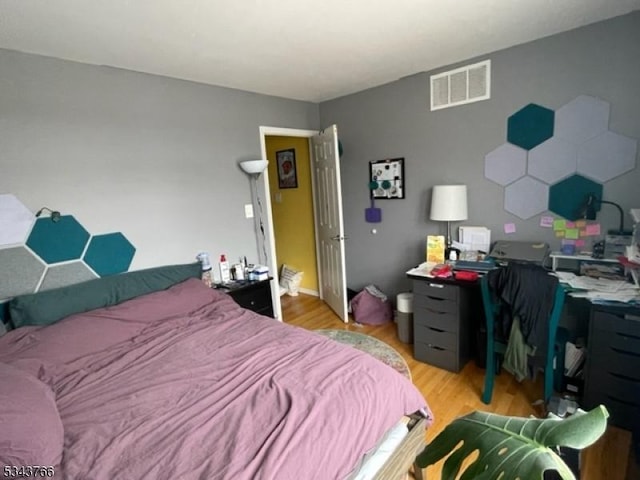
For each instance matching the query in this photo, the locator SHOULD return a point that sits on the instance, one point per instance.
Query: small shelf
(556, 256)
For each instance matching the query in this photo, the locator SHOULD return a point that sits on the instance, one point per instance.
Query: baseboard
(308, 291)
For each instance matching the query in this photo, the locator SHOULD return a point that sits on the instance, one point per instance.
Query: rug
(370, 345)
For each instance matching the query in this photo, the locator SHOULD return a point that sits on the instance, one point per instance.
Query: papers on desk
(573, 359)
(423, 270)
(599, 288)
(474, 238)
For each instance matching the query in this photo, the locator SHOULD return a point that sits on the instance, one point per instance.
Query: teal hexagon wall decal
(530, 126)
(109, 254)
(58, 241)
(566, 197)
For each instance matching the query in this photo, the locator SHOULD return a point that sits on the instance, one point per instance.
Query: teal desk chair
(495, 347)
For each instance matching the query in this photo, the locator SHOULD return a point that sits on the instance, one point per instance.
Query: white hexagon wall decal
(607, 156)
(552, 160)
(526, 197)
(582, 118)
(505, 164)
(16, 220)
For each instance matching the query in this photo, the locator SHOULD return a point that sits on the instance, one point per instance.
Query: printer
(508, 251)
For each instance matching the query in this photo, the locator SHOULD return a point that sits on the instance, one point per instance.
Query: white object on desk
(555, 256)
(475, 238)
(422, 270)
(599, 288)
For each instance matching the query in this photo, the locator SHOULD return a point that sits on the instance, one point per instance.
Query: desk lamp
(449, 204)
(588, 211)
(255, 168)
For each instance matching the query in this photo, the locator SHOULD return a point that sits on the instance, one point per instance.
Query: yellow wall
(293, 214)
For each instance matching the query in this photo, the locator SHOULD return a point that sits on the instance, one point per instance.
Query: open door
(327, 196)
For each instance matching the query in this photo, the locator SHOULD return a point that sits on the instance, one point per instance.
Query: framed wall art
(287, 172)
(387, 178)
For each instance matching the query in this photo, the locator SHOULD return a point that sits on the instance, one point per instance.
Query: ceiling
(297, 49)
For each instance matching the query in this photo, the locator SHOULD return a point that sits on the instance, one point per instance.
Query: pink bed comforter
(184, 384)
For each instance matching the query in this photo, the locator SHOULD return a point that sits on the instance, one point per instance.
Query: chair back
(491, 309)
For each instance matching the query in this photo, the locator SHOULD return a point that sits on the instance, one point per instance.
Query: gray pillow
(45, 308)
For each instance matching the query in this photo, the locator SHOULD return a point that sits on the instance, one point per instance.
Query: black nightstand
(252, 295)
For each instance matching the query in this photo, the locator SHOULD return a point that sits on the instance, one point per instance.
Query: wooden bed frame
(398, 465)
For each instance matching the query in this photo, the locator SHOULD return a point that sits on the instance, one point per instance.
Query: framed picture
(287, 173)
(386, 178)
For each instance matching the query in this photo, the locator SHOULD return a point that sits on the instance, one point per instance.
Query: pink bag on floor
(371, 307)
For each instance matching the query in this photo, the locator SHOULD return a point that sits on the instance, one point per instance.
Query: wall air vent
(467, 84)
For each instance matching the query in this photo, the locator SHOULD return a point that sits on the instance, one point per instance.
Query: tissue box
(259, 272)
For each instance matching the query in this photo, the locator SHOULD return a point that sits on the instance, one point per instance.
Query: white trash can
(404, 302)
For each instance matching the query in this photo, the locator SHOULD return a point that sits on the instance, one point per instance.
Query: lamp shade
(254, 167)
(449, 203)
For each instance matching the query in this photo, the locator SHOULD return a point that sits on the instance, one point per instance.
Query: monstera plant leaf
(512, 447)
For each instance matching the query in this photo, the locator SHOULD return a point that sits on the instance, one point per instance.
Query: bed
(181, 382)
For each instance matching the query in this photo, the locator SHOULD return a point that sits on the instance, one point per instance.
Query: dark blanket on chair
(527, 291)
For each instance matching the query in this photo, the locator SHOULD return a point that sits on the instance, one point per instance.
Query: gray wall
(152, 157)
(448, 146)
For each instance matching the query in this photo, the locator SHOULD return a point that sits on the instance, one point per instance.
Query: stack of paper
(573, 359)
(475, 238)
(601, 289)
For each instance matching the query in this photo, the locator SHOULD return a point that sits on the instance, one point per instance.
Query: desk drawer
(436, 356)
(625, 388)
(434, 304)
(435, 290)
(622, 413)
(610, 322)
(616, 353)
(435, 336)
(257, 299)
(449, 322)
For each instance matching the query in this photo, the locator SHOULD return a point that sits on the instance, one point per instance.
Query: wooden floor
(451, 395)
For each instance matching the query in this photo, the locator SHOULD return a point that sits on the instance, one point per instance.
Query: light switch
(248, 210)
(278, 197)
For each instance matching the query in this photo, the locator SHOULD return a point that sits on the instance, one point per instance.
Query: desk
(612, 375)
(447, 315)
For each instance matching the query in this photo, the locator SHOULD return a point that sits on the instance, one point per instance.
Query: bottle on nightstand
(203, 257)
(225, 276)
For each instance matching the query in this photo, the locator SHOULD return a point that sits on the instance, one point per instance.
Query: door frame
(266, 131)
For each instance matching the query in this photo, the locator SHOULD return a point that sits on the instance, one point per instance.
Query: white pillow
(290, 280)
